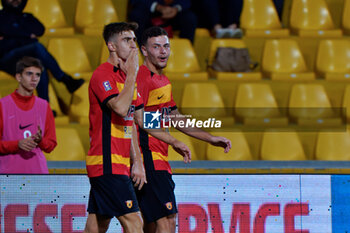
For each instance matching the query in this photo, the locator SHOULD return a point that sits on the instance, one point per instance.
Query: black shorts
(112, 196)
(157, 197)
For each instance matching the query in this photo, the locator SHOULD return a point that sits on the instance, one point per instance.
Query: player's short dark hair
(116, 28)
(152, 32)
(26, 62)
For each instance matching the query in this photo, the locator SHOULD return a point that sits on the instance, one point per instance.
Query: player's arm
(138, 174)
(199, 133)
(121, 103)
(177, 145)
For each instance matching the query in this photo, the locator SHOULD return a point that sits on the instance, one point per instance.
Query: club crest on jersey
(129, 203)
(169, 205)
(107, 86)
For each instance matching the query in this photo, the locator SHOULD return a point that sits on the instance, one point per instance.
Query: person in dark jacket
(164, 13)
(19, 34)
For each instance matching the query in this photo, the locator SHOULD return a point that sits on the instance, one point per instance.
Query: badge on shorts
(107, 86)
(169, 205)
(129, 203)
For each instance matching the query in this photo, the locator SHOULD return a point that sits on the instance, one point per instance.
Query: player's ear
(111, 47)
(18, 77)
(144, 51)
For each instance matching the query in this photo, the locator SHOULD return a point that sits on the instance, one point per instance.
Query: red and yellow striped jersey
(156, 94)
(110, 134)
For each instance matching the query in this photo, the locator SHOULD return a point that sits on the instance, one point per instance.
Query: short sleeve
(103, 86)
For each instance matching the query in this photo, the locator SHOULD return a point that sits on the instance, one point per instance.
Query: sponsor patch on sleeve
(107, 86)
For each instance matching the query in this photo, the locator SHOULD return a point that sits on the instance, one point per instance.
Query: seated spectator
(220, 17)
(169, 14)
(19, 34)
(27, 125)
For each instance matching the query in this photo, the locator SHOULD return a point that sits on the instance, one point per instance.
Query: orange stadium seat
(69, 146)
(183, 63)
(259, 19)
(333, 59)
(283, 60)
(234, 43)
(311, 18)
(92, 15)
(346, 17)
(333, 146)
(256, 104)
(280, 145)
(240, 150)
(71, 55)
(51, 15)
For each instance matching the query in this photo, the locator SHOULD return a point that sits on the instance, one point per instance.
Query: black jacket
(16, 27)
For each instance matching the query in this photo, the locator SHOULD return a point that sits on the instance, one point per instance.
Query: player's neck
(113, 59)
(24, 92)
(152, 67)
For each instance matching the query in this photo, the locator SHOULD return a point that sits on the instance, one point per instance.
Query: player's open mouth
(163, 59)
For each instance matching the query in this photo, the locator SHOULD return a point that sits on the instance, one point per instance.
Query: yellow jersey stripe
(120, 87)
(159, 156)
(120, 160)
(159, 96)
(121, 131)
(94, 160)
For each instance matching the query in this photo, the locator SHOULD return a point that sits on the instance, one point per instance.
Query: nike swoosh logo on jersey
(23, 127)
(159, 97)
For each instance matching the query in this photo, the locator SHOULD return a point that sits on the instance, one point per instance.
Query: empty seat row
(275, 145)
(308, 18)
(90, 16)
(255, 103)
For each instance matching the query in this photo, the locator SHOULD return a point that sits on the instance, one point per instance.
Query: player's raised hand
(131, 65)
(183, 150)
(222, 142)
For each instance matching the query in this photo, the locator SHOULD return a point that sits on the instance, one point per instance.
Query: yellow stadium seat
(309, 104)
(69, 146)
(240, 150)
(346, 17)
(283, 60)
(71, 55)
(346, 103)
(174, 156)
(311, 18)
(51, 15)
(105, 54)
(333, 146)
(202, 99)
(202, 39)
(92, 15)
(4, 75)
(60, 118)
(183, 63)
(333, 59)
(260, 19)
(280, 145)
(235, 43)
(256, 104)
(79, 108)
